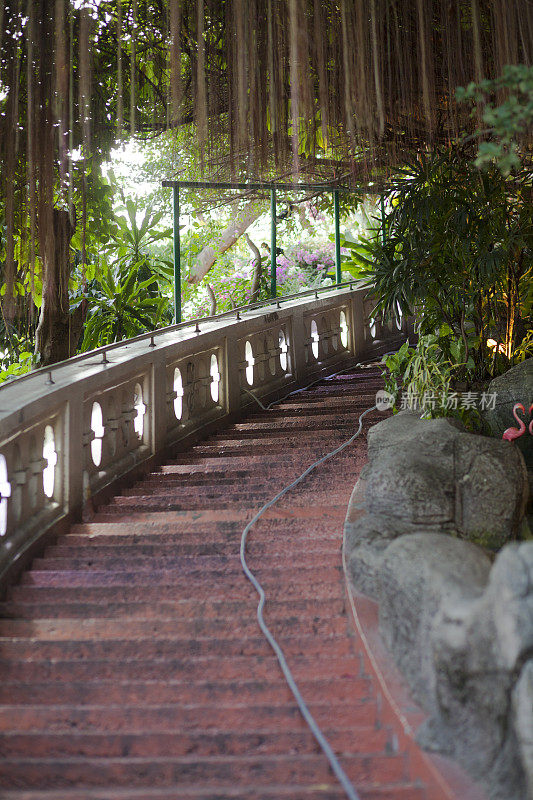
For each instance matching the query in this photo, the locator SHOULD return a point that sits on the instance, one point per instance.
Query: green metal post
(272, 242)
(177, 257)
(383, 231)
(338, 271)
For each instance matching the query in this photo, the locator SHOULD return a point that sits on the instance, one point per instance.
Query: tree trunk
(256, 277)
(213, 299)
(58, 330)
(227, 238)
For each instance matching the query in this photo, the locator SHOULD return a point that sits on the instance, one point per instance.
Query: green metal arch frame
(266, 187)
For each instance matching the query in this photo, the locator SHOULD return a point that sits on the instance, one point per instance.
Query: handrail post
(273, 289)
(73, 454)
(338, 272)
(177, 255)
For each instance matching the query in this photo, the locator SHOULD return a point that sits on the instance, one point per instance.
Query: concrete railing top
(21, 392)
(68, 432)
(226, 316)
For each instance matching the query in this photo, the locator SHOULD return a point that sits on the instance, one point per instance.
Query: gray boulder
(409, 483)
(460, 630)
(523, 721)
(366, 538)
(478, 646)
(404, 427)
(418, 573)
(492, 489)
(431, 475)
(507, 607)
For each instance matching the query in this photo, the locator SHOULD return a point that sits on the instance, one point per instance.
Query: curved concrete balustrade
(67, 434)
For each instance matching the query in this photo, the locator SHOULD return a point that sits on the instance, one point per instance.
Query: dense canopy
(339, 90)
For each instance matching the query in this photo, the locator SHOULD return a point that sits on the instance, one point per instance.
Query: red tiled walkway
(131, 663)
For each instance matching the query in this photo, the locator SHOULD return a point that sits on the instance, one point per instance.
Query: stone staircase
(131, 663)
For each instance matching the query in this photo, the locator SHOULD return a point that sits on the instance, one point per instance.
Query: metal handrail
(150, 335)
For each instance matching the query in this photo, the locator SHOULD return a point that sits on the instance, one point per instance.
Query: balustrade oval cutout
(372, 327)
(249, 356)
(215, 379)
(344, 329)
(178, 388)
(5, 494)
(283, 346)
(139, 406)
(50, 456)
(97, 427)
(314, 338)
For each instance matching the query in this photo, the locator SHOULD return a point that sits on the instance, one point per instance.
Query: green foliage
(456, 249)
(16, 357)
(13, 369)
(121, 307)
(99, 215)
(423, 378)
(356, 249)
(357, 256)
(525, 348)
(131, 288)
(132, 244)
(505, 122)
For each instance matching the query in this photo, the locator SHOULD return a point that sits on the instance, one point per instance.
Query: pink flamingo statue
(530, 429)
(515, 433)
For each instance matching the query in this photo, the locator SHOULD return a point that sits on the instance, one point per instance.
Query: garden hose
(304, 710)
